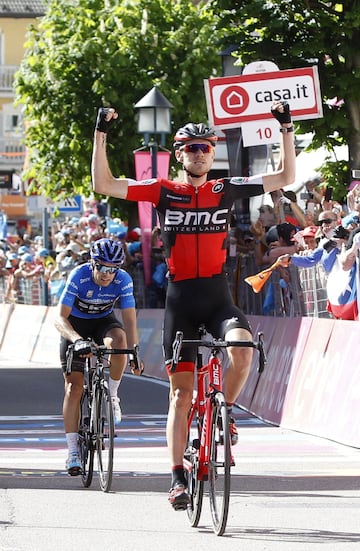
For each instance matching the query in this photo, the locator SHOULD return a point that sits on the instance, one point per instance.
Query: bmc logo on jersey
(195, 218)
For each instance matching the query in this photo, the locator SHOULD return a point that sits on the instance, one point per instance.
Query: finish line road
(290, 491)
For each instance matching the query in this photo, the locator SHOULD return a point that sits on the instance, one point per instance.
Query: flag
(143, 171)
(342, 291)
(3, 225)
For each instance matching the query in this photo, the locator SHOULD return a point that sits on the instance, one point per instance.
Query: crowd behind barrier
(34, 274)
(301, 295)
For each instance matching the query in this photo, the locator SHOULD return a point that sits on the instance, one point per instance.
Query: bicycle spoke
(105, 438)
(86, 448)
(219, 468)
(195, 486)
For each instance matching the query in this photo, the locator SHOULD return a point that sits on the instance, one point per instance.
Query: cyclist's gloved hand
(82, 347)
(136, 365)
(356, 241)
(284, 116)
(102, 124)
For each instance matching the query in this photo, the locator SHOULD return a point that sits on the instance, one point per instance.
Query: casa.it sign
(234, 100)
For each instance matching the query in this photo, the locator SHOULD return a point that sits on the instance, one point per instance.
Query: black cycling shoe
(178, 497)
(234, 437)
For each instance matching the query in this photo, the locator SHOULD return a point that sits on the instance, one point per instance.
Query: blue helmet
(106, 250)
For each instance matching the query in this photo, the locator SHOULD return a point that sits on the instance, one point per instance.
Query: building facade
(15, 18)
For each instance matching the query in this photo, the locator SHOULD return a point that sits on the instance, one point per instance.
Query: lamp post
(154, 118)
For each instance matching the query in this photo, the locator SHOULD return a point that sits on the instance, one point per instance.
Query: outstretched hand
(281, 111)
(106, 119)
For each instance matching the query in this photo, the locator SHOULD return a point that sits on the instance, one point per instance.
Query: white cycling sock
(72, 442)
(113, 387)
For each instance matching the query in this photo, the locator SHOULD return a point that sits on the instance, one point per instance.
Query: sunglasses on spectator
(105, 269)
(195, 147)
(325, 221)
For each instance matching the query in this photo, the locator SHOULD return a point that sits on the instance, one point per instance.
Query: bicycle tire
(105, 436)
(219, 466)
(86, 445)
(195, 486)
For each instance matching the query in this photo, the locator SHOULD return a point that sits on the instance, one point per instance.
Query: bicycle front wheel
(219, 467)
(105, 437)
(86, 445)
(195, 485)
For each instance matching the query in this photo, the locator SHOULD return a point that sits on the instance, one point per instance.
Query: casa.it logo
(234, 100)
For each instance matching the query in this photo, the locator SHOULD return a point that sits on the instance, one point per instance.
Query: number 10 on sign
(262, 132)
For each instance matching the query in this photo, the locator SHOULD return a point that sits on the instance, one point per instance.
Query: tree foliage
(89, 53)
(297, 34)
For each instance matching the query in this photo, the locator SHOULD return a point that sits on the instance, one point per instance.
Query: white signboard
(234, 100)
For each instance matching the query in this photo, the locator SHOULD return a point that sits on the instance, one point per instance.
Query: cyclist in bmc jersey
(194, 218)
(86, 311)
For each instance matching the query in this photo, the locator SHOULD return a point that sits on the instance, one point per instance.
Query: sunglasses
(105, 269)
(195, 147)
(325, 221)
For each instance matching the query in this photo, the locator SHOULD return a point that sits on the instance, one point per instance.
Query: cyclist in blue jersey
(86, 310)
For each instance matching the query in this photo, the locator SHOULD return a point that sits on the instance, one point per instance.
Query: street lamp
(154, 117)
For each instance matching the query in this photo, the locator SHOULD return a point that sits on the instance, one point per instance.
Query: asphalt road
(290, 491)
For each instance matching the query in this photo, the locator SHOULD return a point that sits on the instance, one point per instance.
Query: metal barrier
(301, 293)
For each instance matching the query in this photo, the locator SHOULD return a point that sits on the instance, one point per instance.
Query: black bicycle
(96, 423)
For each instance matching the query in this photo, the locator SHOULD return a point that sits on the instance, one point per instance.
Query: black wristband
(285, 130)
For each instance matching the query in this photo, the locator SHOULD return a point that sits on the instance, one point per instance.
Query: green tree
(300, 33)
(88, 53)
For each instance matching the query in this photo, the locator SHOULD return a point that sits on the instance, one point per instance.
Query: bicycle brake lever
(136, 365)
(69, 358)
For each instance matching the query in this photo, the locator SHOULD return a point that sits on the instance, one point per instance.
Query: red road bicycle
(208, 455)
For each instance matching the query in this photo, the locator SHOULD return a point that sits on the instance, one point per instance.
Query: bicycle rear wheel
(219, 467)
(86, 446)
(105, 437)
(195, 486)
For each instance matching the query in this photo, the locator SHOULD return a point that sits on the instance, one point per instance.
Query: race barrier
(311, 382)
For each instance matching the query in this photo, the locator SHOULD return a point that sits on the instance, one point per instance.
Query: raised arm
(103, 180)
(285, 175)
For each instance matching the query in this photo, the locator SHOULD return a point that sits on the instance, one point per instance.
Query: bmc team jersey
(88, 300)
(194, 221)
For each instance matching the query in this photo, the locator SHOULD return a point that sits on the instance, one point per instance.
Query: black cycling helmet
(106, 250)
(192, 131)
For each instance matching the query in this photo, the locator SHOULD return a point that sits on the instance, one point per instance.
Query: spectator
(67, 259)
(286, 202)
(342, 281)
(280, 241)
(267, 217)
(327, 248)
(12, 284)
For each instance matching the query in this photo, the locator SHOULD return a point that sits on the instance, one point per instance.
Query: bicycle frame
(209, 382)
